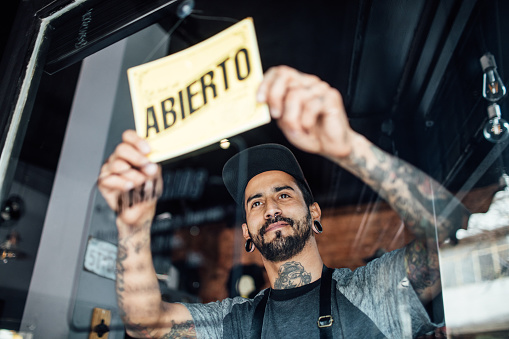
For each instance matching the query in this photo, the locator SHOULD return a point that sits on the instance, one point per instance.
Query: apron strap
(257, 322)
(325, 319)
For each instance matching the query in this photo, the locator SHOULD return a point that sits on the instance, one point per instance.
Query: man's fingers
(146, 192)
(115, 166)
(263, 89)
(127, 167)
(124, 159)
(115, 183)
(279, 86)
(304, 80)
(292, 107)
(131, 137)
(303, 104)
(127, 180)
(322, 102)
(311, 110)
(122, 197)
(274, 87)
(120, 175)
(276, 95)
(128, 153)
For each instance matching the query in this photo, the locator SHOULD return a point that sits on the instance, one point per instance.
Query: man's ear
(316, 212)
(245, 231)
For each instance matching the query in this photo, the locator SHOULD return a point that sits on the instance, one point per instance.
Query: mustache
(278, 218)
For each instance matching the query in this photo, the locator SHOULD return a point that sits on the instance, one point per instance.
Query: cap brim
(248, 163)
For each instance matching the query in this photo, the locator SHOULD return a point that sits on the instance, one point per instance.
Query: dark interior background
(409, 73)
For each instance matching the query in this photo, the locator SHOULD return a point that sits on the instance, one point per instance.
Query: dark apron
(352, 322)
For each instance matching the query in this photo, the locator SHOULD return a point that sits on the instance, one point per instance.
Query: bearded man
(386, 298)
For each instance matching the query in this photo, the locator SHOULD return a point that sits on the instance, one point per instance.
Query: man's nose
(272, 209)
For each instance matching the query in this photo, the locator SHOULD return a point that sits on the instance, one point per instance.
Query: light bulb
(493, 87)
(185, 9)
(496, 129)
(224, 143)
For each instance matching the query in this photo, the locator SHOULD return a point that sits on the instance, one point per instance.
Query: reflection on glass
(486, 266)
(467, 271)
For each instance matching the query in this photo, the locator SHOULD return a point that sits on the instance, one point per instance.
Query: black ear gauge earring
(249, 246)
(317, 227)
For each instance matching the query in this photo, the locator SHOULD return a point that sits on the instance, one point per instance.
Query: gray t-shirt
(374, 298)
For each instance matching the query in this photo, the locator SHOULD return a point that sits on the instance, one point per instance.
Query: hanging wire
(163, 41)
(193, 14)
(500, 64)
(212, 18)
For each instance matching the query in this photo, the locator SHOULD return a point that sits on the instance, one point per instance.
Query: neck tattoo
(290, 275)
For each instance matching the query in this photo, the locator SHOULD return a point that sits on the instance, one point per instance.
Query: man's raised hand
(310, 113)
(129, 182)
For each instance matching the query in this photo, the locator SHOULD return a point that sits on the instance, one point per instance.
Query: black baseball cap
(250, 162)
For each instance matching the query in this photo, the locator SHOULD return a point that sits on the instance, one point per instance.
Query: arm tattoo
(290, 275)
(129, 247)
(185, 330)
(424, 205)
(422, 266)
(121, 256)
(429, 211)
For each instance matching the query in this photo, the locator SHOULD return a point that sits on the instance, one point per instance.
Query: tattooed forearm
(420, 201)
(123, 251)
(290, 275)
(141, 307)
(131, 231)
(429, 211)
(137, 288)
(121, 256)
(184, 330)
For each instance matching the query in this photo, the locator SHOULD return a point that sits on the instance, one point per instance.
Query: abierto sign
(201, 95)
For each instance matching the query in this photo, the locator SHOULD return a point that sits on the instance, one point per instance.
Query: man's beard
(282, 248)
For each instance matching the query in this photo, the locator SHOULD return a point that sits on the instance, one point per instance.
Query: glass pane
(487, 269)
(411, 80)
(449, 274)
(504, 263)
(467, 271)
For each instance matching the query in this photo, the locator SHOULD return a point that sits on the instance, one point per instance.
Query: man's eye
(256, 203)
(284, 196)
